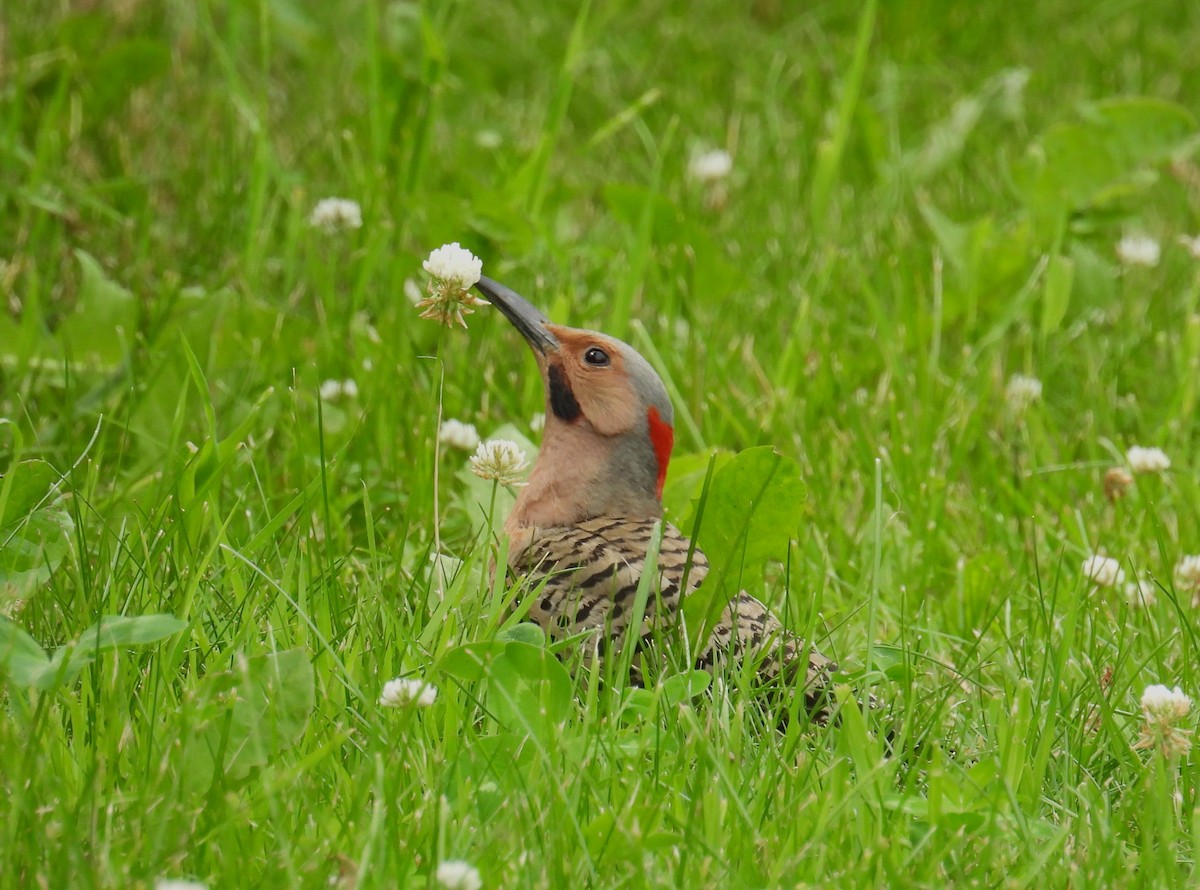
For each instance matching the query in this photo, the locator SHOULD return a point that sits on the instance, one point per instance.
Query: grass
(925, 200)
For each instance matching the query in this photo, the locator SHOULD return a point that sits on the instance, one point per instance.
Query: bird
(582, 527)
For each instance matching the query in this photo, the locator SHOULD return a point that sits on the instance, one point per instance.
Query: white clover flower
(457, 434)
(1022, 391)
(454, 264)
(1138, 250)
(1103, 571)
(401, 693)
(1165, 709)
(1187, 574)
(1191, 244)
(710, 166)
(1160, 700)
(453, 271)
(334, 214)
(1147, 460)
(454, 874)
(1141, 593)
(499, 459)
(332, 390)
(537, 423)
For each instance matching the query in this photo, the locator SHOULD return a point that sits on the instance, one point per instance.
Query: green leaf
(470, 662)
(112, 631)
(254, 712)
(752, 513)
(892, 661)
(686, 686)
(526, 632)
(25, 486)
(35, 535)
(31, 551)
(104, 323)
(528, 689)
(31, 667)
(1056, 293)
(636, 703)
(685, 481)
(276, 694)
(130, 630)
(115, 73)
(21, 658)
(1143, 129)
(1105, 156)
(1095, 278)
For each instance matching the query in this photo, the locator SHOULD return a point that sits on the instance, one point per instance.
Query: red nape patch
(662, 437)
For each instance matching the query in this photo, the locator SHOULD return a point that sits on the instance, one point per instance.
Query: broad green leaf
(1056, 293)
(890, 660)
(526, 632)
(1074, 165)
(505, 758)
(21, 658)
(470, 662)
(103, 326)
(113, 631)
(752, 513)
(1094, 280)
(1143, 129)
(130, 630)
(253, 713)
(30, 551)
(685, 481)
(528, 688)
(685, 686)
(35, 535)
(116, 72)
(37, 545)
(24, 487)
(276, 694)
(636, 703)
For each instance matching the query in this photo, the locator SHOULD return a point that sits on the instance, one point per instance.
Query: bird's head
(609, 423)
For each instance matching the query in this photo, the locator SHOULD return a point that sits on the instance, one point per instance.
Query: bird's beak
(525, 317)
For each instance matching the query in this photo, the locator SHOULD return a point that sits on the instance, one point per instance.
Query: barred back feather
(585, 579)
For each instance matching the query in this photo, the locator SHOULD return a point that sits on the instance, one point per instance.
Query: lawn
(945, 276)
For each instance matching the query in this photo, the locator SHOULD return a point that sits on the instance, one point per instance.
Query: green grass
(891, 250)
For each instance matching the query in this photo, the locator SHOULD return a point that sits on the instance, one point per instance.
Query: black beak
(525, 317)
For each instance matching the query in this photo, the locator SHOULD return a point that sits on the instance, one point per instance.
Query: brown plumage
(581, 530)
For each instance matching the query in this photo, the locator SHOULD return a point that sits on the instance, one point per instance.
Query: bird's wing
(592, 571)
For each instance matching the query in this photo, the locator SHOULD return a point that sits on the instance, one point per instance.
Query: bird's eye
(596, 357)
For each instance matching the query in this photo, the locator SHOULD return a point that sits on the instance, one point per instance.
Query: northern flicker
(581, 528)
